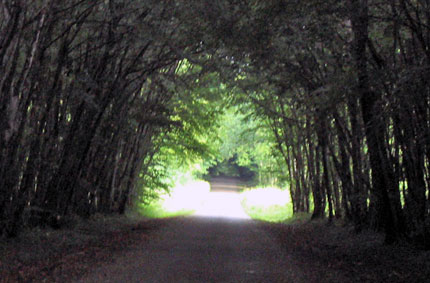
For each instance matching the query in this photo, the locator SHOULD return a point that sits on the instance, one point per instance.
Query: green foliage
(273, 213)
(156, 210)
(188, 146)
(329, 97)
(247, 140)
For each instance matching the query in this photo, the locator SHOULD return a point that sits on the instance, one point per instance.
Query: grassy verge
(298, 218)
(267, 204)
(156, 209)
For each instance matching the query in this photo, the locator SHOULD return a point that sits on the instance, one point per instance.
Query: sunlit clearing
(196, 196)
(186, 197)
(267, 197)
(268, 204)
(222, 204)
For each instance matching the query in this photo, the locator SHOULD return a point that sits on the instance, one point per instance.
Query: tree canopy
(96, 97)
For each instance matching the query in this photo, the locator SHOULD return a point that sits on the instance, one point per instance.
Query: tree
(95, 94)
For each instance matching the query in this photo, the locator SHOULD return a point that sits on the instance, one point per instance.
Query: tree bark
(387, 209)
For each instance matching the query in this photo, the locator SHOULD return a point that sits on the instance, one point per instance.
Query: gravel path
(201, 249)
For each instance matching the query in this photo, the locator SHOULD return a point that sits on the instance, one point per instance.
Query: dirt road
(203, 250)
(219, 244)
(210, 247)
(214, 247)
(226, 184)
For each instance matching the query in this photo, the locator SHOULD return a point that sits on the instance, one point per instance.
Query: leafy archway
(98, 96)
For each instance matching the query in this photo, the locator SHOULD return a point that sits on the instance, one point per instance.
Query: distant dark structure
(230, 168)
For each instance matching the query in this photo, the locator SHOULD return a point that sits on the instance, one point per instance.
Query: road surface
(199, 249)
(219, 244)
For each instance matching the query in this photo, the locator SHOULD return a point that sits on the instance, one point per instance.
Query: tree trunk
(386, 207)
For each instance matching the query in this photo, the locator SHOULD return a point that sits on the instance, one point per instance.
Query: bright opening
(266, 197)
(222, 204)
(196, 198)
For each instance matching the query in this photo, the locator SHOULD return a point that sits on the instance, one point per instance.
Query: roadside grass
(183, 200)
(298, 218)
(156, 209)
(267, 204)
